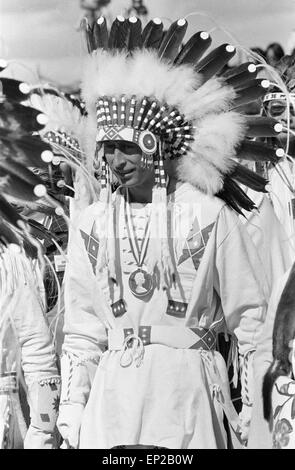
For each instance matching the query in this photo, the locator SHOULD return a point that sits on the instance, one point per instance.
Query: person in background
(282, 199)
(27, 355)
(273, 53)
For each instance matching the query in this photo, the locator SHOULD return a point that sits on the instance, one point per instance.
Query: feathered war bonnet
(144, 87)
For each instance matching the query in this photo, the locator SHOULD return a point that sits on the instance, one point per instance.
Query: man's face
(277, 109)
(123, 159)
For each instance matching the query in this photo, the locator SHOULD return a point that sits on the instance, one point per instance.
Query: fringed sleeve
(85, 338)
(23, 312)
(239, 281)
(241, 284)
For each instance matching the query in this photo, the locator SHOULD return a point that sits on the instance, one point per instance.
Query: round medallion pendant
(140, 283)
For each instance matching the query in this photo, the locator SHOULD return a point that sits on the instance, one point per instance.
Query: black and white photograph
(147, 228)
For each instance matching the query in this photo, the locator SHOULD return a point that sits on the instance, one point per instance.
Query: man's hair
(277, 49)
(286, 69)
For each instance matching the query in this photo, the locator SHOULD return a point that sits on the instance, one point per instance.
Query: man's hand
(69, 423)
(245, 419)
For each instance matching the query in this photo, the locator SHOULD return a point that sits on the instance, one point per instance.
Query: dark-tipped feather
(283, 334)
(240, 79)
(26, 150)
(240, 69)
(230, 201)
(253, 91)
(100, 33)
(11, 167)
(19, 189)
(19, 181)
(256, 152)
(117, 34)
(172, 40)
(260, 126)
(193, 50)
(234, 196)
(133, 39)
(249, 178)
(14, 89)
(215, 61)
(152, 35)
(15, 117)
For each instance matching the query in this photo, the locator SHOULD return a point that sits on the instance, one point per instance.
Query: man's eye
(127, 148)
(130, 148)
(109, 148)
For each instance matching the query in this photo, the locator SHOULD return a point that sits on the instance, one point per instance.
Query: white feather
(88, 141)
(208, 98)
(211, 153)
(217, 136)
(62, 115)
(200, 174)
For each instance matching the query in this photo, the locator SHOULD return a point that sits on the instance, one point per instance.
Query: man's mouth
(124, 173)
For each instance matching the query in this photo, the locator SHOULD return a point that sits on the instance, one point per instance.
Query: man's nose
(119, 159)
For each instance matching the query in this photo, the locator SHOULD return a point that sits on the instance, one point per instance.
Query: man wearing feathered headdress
(159, 267)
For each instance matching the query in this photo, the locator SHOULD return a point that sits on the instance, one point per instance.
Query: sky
(41, 37)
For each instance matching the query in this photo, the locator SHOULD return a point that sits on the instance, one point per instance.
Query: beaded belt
(173, 336)
(131, 344)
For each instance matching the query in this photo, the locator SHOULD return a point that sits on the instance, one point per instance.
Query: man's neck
(141, 194)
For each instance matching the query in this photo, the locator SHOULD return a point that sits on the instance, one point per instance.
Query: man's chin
(128, 181)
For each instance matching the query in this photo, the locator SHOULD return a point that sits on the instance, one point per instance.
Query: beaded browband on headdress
(278, 96)
(143, 122)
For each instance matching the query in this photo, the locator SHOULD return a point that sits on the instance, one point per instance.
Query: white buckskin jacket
(26, 353)
(171, 389)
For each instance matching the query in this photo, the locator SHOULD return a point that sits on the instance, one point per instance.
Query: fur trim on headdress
(217, 136)
(143, 74)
